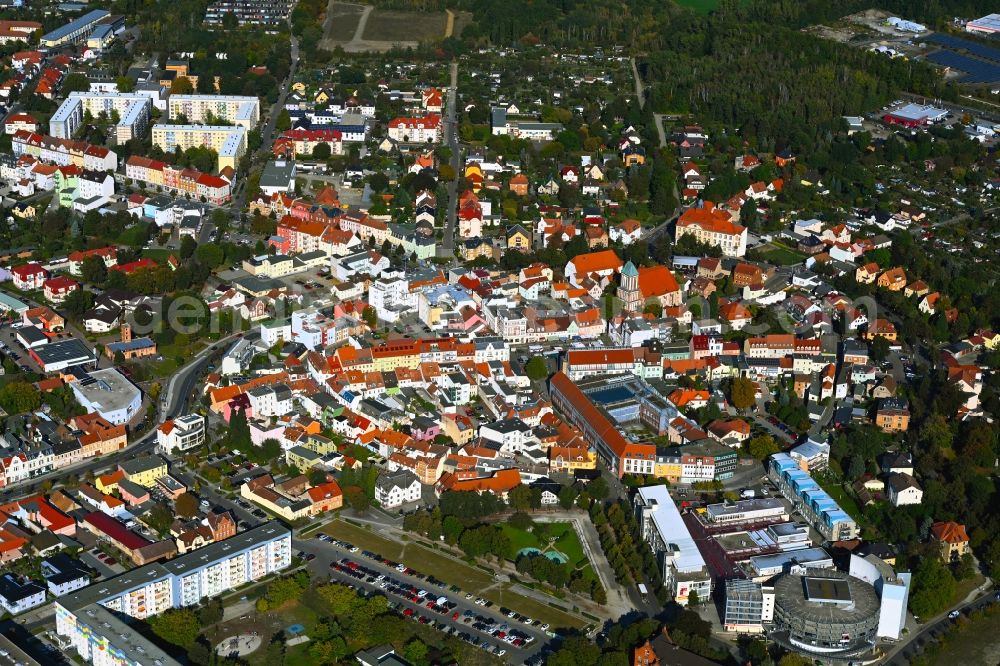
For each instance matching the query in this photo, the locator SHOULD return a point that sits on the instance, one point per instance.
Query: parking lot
(424, 599)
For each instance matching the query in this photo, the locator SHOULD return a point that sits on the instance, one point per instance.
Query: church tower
(628, 290)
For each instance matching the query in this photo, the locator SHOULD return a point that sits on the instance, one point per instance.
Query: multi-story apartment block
(249, 12)
(812, 501)
(230, 142)
(181, 434)
(133, 112)
(240, 110)
(416, 130)
(620, 455)
(90, 618)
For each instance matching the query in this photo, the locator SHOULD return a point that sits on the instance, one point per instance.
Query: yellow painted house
(667, 467)
(144, 471)
(302, 458)
(518, 238)
(108, 483)
(299, 87)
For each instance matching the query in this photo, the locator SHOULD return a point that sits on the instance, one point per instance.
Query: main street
(447, 248)
(174, 401)
(267, 135)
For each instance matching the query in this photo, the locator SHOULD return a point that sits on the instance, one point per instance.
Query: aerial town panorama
(482, 332)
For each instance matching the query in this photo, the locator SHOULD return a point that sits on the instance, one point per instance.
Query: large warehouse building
(988, 25)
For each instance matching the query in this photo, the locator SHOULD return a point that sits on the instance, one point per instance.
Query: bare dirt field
(341, 21)
(396, 26)
(359, 28)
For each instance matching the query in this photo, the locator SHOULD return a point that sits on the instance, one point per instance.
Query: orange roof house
(952, 538)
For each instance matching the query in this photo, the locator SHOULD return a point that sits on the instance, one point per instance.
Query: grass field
(974, 641)
(846, 502)
(451, 571)
(782, 255)
(396, 26)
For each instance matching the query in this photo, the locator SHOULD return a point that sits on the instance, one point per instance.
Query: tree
(357, 498)
(762, 446)
(933, 588)
(188, 247)
(284, 121)
(77, 302)
(446, 173)
(879, 348)
(178, 626)
(75, 82)
(159, 518)
(20, 397)
(211, 613)
(536, 368)
(186, 505)
(321, 151)
(124, 84)
(742, 393)
(93, 270)
(370, 317)
(180, 86)
(567, 496)
(211, 255)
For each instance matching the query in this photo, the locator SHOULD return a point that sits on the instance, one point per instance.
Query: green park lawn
(454, 572)
(782, 255)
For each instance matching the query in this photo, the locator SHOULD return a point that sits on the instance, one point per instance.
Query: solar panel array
(972, 47)
(986, 70)
(976, 71)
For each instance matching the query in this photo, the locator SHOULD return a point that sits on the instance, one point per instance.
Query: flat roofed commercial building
(749, 606)
(76, 30)
(230, 142)
(58, 356)
(684, 569)
(110, 394)
(149, 590)
(747, 511)
(767, 566)
(914, 115)
(989, 24)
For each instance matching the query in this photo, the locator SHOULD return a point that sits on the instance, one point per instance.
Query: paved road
(640, 92)
(900, 654)
(658, 118)
(327, 553)
(267, 136)
(447, 247)
(174, 402)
